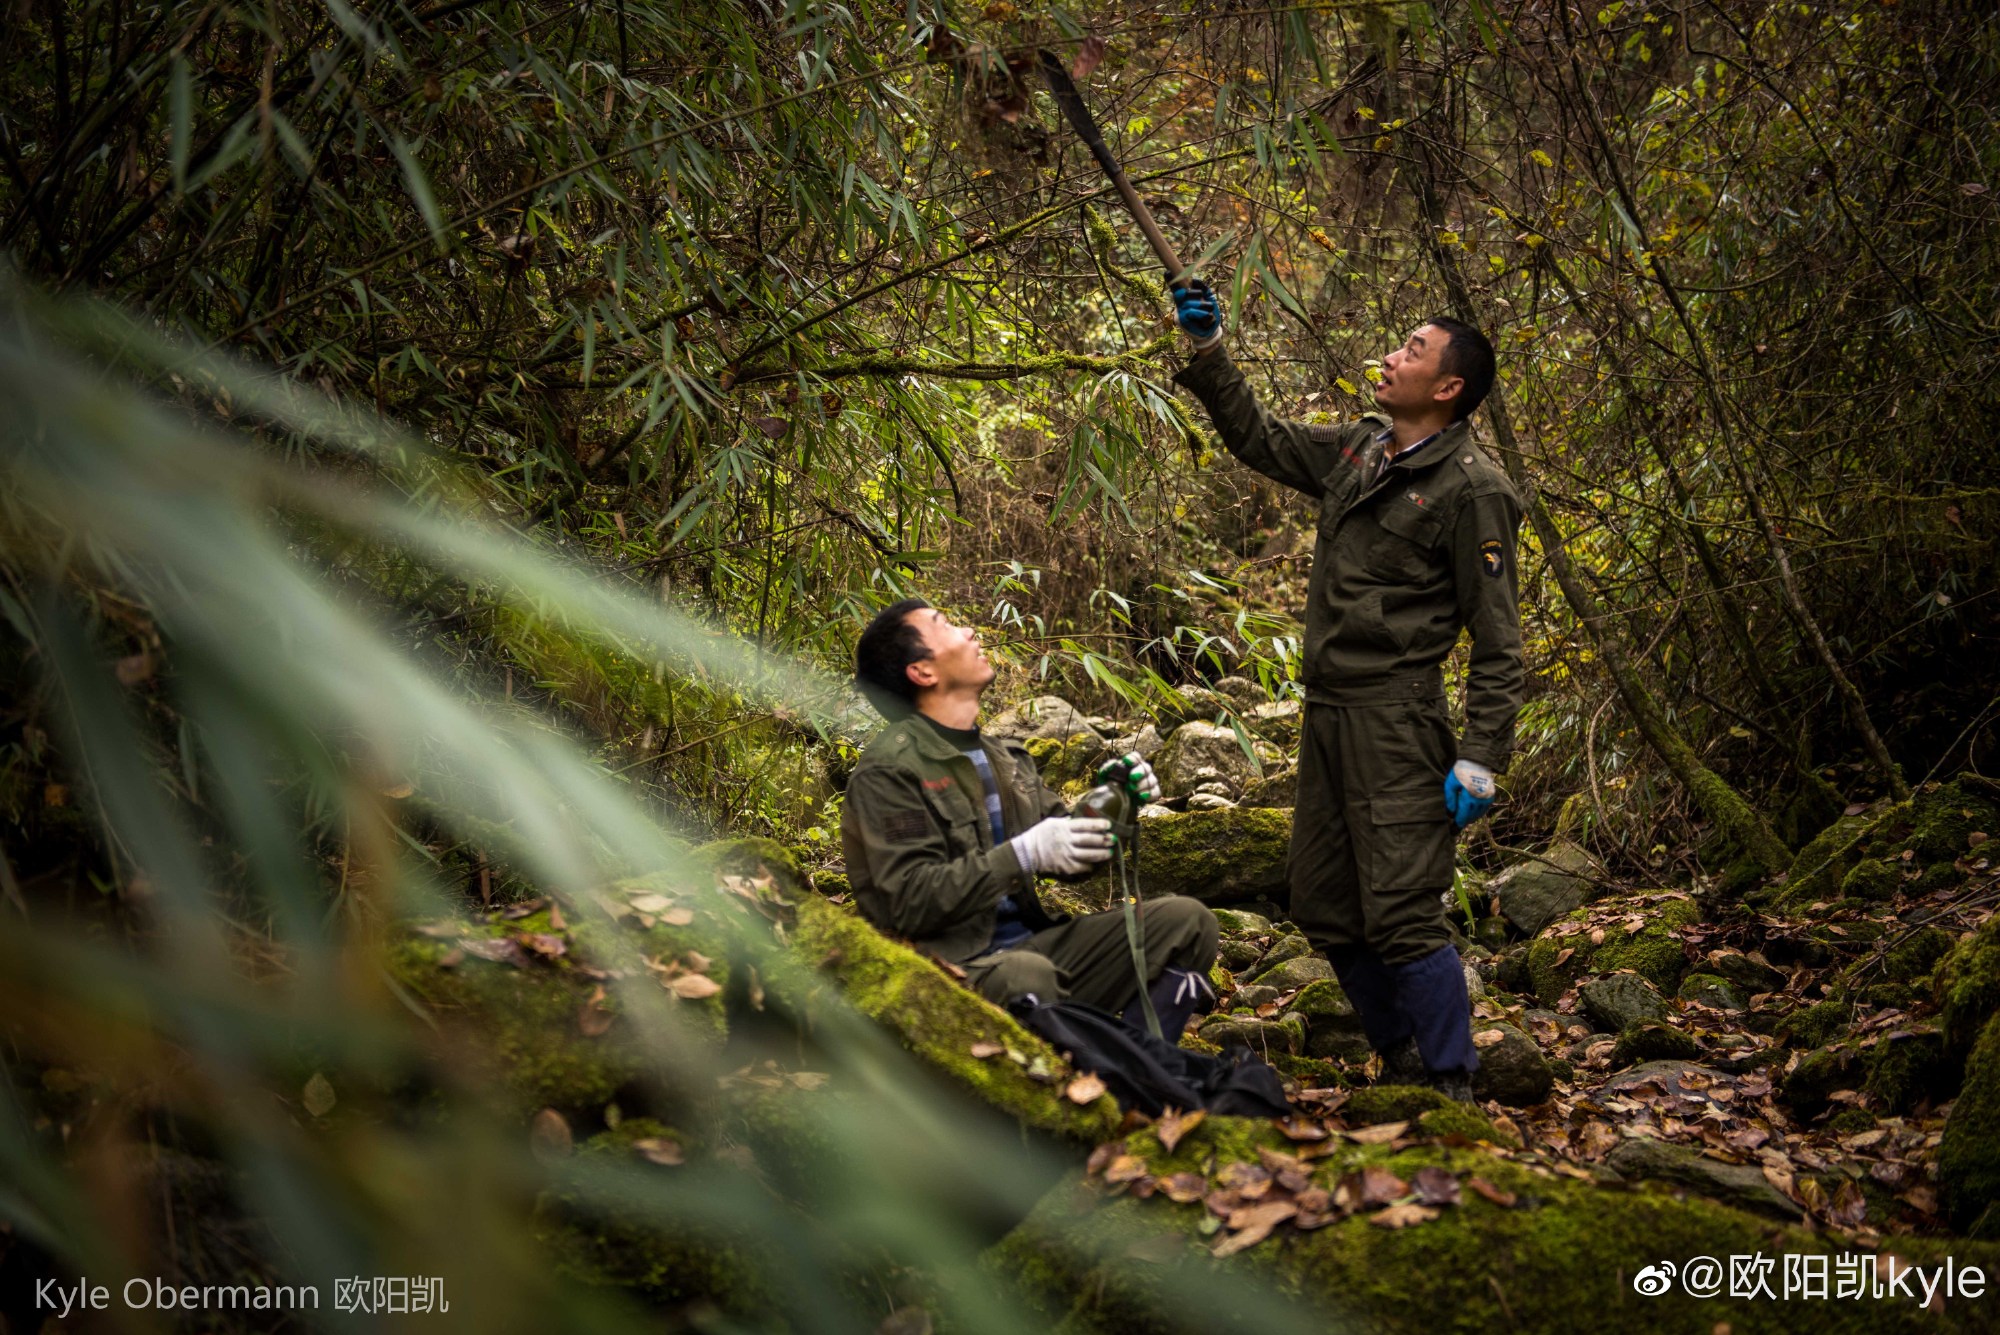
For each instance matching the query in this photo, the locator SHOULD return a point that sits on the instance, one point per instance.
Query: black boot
(1178, 996)
(1403, 1065)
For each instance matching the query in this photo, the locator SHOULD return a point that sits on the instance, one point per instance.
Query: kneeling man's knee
(1191, 930)
(1016, 973)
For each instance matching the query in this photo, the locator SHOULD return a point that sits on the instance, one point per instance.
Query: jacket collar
(1437, 447)
(929, 742)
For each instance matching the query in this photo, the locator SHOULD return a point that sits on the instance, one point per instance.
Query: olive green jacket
(1400, 565)
(920, 852)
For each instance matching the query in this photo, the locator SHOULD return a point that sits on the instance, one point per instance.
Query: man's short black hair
(883, 655)
(1469, 356)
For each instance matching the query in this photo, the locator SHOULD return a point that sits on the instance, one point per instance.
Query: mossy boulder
(1621, 1001)
(1809, 1086)
(1068, 763)
(939, 1021)
(1652, 952)
(1561, 1260)
(1392, 1103)
(1874, 879)
(1654, 1042)
(1944, 816)
(1296, 972)
(1967, 986)
(1815, 1025)
(1968, 1160)
(1512, 1069)
(1197, 753)
(1907, 1066)
(1221, 856)
(1916, 955)
(1544, 889)
(1045, 717)
(1751, 973)
(1276, 788)
(1286, 1034)
(1712, 990)
(1641, 1158)
(1820, 867)
(1333, 1028)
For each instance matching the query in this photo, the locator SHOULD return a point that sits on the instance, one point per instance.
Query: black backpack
(1149, 1074)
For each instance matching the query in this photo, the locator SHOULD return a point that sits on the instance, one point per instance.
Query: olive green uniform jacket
(1400, 565)
(920, 852)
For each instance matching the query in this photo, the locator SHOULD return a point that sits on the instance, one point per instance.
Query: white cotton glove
(1064, 845)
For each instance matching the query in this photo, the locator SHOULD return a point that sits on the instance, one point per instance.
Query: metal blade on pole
(1071, 101)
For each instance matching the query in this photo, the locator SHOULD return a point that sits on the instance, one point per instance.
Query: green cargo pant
(1088, 959)
(1372, 842)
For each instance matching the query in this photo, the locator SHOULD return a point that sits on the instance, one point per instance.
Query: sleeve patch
(1492, 557)
(906, 827)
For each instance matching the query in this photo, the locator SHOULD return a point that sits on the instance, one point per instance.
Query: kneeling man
(946, 829)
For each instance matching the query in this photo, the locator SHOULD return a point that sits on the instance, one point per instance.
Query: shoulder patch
(1493, 557)
(906, 827)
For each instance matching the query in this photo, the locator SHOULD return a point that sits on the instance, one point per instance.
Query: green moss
(1322, 1000)
(1808, 1087)
(1654, 1042)
(1906, 1068)
(1916, 956)
(1068, 764)
(1968, 1160)
(1967, 986)
(831, 884)
(938, 1020)
(1851, 1122)
(1873, 879)
(1820, 867)
(1461, 1119)
(1651, 952)
(1311, 1072)
(1213, 1142)
(595, 1242)
(1221, 856)
(752, 857)
(1392, 1103)
(1943, 816)
(1560, 1262)
(1815, 1026)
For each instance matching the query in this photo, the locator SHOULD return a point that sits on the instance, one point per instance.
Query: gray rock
(1296, 973)
(1744, 1186)
(1220, 855)
(1289, 947)
(1198, 753)
(1510, 969)
(1491, 933)
(1208, 802)
(1237, 954)
(1751, 974)
(1708, 989)
(1146, 741)
(1665, 1074)
(1333, 1030)
(1241, 692)
(1653, 1041)
(1285, 1034)
(1475, 986)
(1238, 922)
(1255, 995)
(1278, 788)
(1620, 1000)
(1535, 893)
(1277, 722)
(1512, 1069)
(1046, 716)
(1197, 703)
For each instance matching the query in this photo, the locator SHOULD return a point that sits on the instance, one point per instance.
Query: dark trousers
(1371, 867)
(1088, 959)
(1371, 839)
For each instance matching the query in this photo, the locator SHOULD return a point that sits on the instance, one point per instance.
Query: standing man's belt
(1425, 684)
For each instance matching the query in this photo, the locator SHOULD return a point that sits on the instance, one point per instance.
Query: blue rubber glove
(1468, 792)
(1198, 313)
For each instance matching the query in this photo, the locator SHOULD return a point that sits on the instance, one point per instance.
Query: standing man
(945, 830)
(1415, 543)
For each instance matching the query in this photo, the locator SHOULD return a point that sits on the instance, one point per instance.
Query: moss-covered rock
(1540, 890)
(1642, 1158)
(1620, 1001)
(1562, 1261)
(1968, 1160)
(1068, 763)
(1392, 1103)
(1219, 857)
(1286, 1034)
(1943, 816)
(1654, 1042)
(1967, 987)
(1296, 972)
(1651, 952)
(1462, 1119)
(1906, 1067)
(1712, 990)
(1872, 879)
(939, 1021)
(1815, 1025)
(1916, 955)
(1810, 1085)
(1820, 867)
(1277, 788)
(1512, 1069)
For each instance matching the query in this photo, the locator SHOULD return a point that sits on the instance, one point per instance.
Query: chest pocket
(961, 820)
(1408, 535)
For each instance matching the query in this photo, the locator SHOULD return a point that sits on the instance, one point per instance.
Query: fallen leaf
(1237, 1176)
(594, 1019)
(1174, 1124)
(1252, 1225)
(546, 944)
(1102, 1156)
(497, 950)
(549, 1135)
(1380, 1134)
(677, 917)
(1849, 1207)
(318, 1095)
(774, 427)
(1086, 1088)
(808, 1079)
(1087, 57)
(1435, 1186)
(1300, 1129)
(660, 1150)
(1564, 954)
(1184, 1188)
(1375, 1185)
(693, 986)
(1403, 1216)
(1597, 936)
(1125, 1168)
(650, 903)
(985, 1051)
(1499, 1196)
(697, 962)
(1486, 1038)
(905, 1321)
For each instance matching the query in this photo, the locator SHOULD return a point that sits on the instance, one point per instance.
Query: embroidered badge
(1492, 557)
(937, 785)
(1419, 501)
(906, 827)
